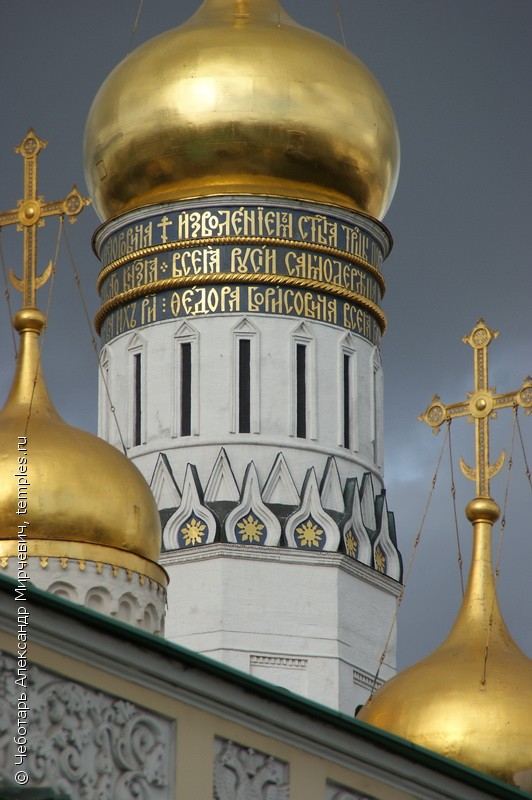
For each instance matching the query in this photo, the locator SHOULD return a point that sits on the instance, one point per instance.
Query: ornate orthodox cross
(30, 213)
(481, 405)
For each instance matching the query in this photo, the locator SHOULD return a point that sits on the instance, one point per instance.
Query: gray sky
(457, 73)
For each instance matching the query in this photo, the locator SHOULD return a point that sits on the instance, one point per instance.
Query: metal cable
(340, 22)
(502, 528)
(410, 563)
(453, 494)
(94, 344)
(7, 294)
(527, 468)
(134, 28)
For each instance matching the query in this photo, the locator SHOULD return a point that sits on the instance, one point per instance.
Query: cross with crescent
(30, 213)
(481, 406)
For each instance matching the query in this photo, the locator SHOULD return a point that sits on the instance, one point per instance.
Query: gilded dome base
(104, 579)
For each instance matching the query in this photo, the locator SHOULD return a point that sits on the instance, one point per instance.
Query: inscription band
(252, 240)
(240, 299)
(231, 259)
(246, 278)
(241, 216)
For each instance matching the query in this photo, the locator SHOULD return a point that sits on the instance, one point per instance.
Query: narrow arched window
(245, 393)
(347, 393)
(186, 382)
(136, 428)
(186, 388)
(301, 390)
(244, 385)
(137, 399)
(376, 399)
(303, 359)
(347, 400)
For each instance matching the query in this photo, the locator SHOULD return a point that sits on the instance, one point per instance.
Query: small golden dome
(241, 99)
(471, 699)
(81, 489)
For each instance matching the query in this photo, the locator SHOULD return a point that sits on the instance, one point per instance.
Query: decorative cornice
(365, 679)
(192, 523)
(251, 521)
(280, 486)
(305, 523)
(386, 557)
(355, 535)
(163, 485)
(222, 485)
(289, 443)
(331, 494)
(286, 556)
(310, 527)
(81, 553)
(278, 661)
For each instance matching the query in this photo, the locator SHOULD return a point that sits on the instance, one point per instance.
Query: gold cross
(482, 404)
(30, 214)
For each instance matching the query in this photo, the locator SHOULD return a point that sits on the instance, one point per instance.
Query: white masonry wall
(214, 400)
(313, 622)
(280, 549)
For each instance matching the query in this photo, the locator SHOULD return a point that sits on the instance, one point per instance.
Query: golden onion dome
(471, 699)
(241, 99)
(84, 497)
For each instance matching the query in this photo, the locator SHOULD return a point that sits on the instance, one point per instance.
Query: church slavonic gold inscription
(239, 259)
(314, 266)
(132, 238)
(252, 221)
(138, 273)
(197, 261)
(254, 259)
(276, 300)
(263, 256)
(226, 299)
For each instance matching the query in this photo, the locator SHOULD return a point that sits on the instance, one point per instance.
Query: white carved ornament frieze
(241, 773)
(81, 742)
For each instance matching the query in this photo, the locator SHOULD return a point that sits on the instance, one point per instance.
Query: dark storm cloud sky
(457, 73)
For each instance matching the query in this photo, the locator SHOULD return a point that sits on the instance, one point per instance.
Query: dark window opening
(375, 415)
(137, 399)
(301, 391)
(186, 388)
(347, 401)
(244, 385)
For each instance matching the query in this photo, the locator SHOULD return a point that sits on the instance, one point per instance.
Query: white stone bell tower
(241, 168)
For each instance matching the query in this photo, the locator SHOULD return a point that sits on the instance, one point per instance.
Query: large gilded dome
(241, 99)
(84, 498)
(471, 699)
